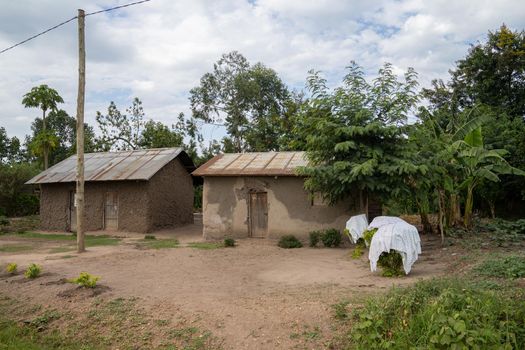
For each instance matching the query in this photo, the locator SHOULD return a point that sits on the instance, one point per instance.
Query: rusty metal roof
(110, 166)
(253, 164)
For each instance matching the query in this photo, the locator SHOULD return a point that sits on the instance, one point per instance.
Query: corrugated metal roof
(109, 166)
(253, 164)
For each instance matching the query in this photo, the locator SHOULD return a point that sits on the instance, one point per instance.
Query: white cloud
(159, 50)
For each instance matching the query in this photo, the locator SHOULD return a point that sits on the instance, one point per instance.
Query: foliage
(33, 271)
(249, 99)
(391, 263)
(341, 310)
(149, 237)
(314, 238)
(229, 242)
(158, 135)
(289, 241)
(500, 226)
(512, 266)
(11, 268)
(15, 197)
(359, 248)
(440, 314)
(4, 222)
(355, 134)
(368, 235)
(10, 151)
(86, 280)
(331, 237)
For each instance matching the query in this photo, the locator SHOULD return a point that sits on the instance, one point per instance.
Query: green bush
(504, 267)
(11, 268)
(315, 237)
(341, 310)
(368, 235)
(391, 263)
(86, 280)
(289, 241)
(33, 271)
(440, 314)
(229, 242)
(150, 237)
(331, 238)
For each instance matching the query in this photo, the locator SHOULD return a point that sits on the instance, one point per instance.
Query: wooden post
(79, 197)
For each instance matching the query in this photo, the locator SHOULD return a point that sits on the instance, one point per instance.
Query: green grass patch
(206, 245)
(160, 243)
(14, 248)
(509, 267)
(91, 240)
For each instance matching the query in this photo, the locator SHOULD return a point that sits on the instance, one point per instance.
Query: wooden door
(258, 214)
(111, 211)
(72, 212)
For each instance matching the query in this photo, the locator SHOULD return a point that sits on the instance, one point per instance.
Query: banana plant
(479, 164)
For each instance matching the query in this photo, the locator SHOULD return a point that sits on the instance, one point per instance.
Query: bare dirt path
(254, 296)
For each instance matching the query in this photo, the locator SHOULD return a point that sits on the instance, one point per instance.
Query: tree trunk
(492, 207)
(469, 203)
(441, 215)
(454, 210)
(46, 154)
(422, 206)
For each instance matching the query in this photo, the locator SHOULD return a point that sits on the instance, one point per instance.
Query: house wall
(290, 209)
(132, 199)
(171, 196)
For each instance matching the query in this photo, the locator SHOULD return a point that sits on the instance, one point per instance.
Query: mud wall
(290, 209)
(171, 195)
(54, 206)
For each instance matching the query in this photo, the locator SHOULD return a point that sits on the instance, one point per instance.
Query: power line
(69, 20)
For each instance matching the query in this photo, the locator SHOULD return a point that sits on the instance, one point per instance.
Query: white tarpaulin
(384, 220)
(356, 225)
(399, 236)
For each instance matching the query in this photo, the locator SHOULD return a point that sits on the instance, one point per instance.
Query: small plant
(368, 235)
(289, 241)
(86, 280)
(4, 222)
(391, 263)
(229, 242)
(11, 268)
(331, 238)
(315, 237)
(359, 249)
(33, 271)
(341, 310)
(150, 237)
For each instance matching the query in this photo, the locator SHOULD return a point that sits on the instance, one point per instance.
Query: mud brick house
(137, 191)
(261, 195)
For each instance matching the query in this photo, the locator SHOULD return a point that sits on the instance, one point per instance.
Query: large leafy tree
(46, 99)
(249, 99)
(355, 134)
(10, 149)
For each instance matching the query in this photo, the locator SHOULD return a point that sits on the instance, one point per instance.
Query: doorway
(111, 211)
(258, 213)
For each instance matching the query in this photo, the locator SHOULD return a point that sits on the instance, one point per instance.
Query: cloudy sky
(158, 50)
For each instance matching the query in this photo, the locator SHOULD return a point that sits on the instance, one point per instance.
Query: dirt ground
(253, 296)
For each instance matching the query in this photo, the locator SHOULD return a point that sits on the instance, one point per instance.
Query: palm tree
(46, 99)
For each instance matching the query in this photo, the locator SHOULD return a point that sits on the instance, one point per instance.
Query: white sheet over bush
(399, 236)
(379, 221)
(356, 225)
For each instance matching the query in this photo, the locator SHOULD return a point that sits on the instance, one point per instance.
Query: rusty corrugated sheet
(253, 164)
(110, 166)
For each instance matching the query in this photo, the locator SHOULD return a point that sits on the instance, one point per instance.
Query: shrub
(331, 238)
(368, 235)
(341, 310)
(391, 263)
(11, 268)
(33, 271)
(229, 242)
(504, 267)
(4, 222)
(150, 237)
(86, 280)
(440, 314)
(315, 237)
(289, 241)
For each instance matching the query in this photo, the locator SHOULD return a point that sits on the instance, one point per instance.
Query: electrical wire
(69, 20)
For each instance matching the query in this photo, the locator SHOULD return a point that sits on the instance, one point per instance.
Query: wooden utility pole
(79, 196)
